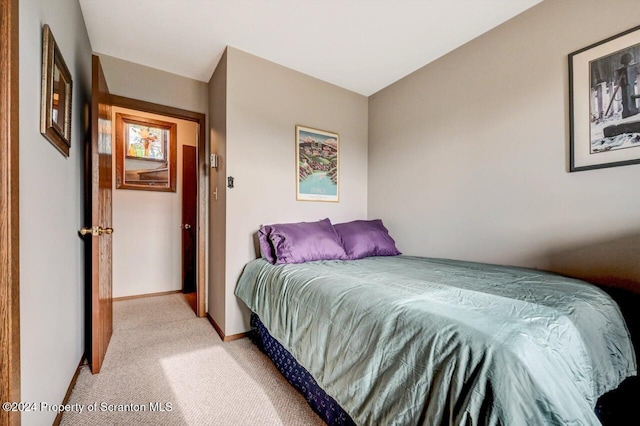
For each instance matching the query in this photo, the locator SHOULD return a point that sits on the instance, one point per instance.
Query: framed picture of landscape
(318, 165)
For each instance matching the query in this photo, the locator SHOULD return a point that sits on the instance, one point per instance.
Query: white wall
(51, 205)
(218, 204)
(144, 83)
(147, 242)
(264, 103)
(468, 155)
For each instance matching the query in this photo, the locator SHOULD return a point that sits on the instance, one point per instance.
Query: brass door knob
(85, 231)
(96, 231)
(105, 231)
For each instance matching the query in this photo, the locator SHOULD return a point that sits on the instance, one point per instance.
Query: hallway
(165, 366)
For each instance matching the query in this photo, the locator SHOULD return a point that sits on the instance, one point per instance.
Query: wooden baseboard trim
(65, 400)
(140, 296)
(221, 334)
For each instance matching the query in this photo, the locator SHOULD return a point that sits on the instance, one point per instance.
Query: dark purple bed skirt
(325, 406)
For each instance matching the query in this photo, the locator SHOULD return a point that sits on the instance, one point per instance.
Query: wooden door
(99, 230)
(189, 218)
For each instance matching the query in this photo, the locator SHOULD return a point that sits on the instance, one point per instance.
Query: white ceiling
(360, 45)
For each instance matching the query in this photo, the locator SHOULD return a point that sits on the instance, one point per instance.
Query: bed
(403, 340)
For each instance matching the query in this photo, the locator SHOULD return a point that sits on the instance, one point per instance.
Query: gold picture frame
(57, 85)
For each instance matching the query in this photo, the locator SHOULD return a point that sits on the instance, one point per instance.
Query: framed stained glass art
(145, 153)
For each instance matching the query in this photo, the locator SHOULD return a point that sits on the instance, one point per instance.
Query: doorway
(158, 220)
(189, 218)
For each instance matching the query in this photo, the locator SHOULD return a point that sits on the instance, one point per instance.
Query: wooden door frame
(9, 214)
(200, 120)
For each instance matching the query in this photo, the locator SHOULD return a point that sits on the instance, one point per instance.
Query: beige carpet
(160, 353)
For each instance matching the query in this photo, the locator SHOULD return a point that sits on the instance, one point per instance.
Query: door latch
(96, 231)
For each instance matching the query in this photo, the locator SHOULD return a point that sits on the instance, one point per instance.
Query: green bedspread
(407, 340)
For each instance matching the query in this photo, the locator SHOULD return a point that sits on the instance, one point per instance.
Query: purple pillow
(364, 238)
(266, 249)
(300, 242)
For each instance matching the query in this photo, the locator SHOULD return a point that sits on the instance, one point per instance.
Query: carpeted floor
(162, 356)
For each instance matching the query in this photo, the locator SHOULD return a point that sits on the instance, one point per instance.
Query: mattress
(408, 340)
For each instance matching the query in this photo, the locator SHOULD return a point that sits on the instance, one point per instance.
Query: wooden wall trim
(200, 120)
(9, 216)
(74, 379)
(141, 296)
(124, 102)
(221, 333)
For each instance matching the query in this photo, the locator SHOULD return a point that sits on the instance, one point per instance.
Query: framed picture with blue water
(318, 165)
